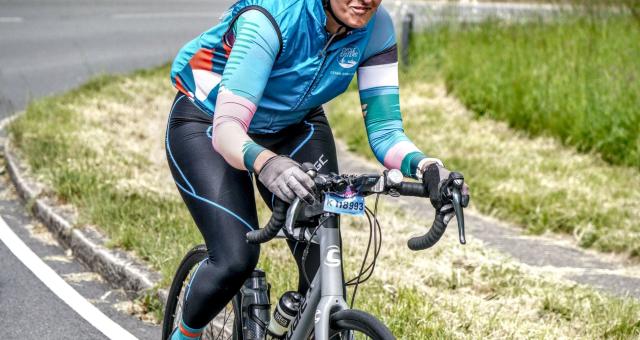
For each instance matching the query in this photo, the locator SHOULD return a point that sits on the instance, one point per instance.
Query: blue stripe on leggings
(215, 205)
(186, 296)
(304, 141)
(296, 149)
(169, 148)
(192, 191)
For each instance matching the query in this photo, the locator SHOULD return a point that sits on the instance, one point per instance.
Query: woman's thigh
(219, 197)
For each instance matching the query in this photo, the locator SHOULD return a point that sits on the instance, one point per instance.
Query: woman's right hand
(284, 177)
(434, 177)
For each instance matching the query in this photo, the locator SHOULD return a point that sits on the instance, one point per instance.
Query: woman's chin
(357, 22)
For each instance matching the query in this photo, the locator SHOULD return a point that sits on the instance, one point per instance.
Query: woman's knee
(234, 267)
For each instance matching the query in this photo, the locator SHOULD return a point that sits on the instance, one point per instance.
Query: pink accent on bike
(395, 155)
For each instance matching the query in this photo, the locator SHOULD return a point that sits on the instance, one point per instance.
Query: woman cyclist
(249, 101)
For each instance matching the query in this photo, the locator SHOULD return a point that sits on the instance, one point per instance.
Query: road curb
(120, 268)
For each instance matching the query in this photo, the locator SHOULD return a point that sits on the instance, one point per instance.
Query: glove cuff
(422, 166)
(268, 161)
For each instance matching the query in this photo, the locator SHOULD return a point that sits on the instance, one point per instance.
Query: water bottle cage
(252, 316)
(247, 314)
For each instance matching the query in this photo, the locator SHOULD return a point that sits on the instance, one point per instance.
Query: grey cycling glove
(284, 177)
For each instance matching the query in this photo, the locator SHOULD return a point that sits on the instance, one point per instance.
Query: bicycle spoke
(349, 336)
(221, 332)
(221, 327)
(226, 317)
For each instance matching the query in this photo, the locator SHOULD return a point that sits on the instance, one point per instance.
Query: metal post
(405, 39)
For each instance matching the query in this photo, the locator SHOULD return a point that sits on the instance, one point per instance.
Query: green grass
(87, 179)
(100, 148)
(577, 79)
(547, 80)
(536, 183)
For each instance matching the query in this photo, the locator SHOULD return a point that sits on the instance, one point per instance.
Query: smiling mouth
(360, 10)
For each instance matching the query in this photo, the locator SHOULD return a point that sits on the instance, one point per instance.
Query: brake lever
(457, 181)
(292, 214)
(457, 207)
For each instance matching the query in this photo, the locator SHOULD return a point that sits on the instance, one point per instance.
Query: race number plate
(353, 205)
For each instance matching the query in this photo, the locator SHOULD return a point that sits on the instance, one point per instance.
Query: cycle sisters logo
(348, 57)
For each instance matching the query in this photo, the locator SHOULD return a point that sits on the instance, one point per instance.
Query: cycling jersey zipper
(323, 53)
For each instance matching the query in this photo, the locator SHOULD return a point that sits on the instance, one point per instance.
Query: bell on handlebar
(394, 178)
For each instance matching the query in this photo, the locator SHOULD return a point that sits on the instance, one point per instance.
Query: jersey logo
(348, 57)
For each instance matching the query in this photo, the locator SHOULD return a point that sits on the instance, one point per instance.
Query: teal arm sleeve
(255, 48)
(379, 96)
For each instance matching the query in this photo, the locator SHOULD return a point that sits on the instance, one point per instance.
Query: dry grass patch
(129, 134)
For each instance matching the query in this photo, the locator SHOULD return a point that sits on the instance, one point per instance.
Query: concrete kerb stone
(121, 269)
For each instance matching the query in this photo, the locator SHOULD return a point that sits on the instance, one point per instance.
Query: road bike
(323, 313)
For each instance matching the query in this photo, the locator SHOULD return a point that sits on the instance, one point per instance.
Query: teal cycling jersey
(305, 73)
(269, 63)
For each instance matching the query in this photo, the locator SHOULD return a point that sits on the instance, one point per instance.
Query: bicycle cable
(375, 233)
(366, 252)
(377, 247)
(305, 253)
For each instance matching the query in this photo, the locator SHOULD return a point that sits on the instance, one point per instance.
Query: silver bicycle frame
(326, 293)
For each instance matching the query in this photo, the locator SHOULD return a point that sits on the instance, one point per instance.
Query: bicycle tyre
(231, 327)
(352, 320)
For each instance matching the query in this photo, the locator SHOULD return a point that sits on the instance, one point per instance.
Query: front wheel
(352, 324)
(224, 326)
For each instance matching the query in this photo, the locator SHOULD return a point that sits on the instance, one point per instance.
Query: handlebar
(388, 183)
(450, 192)
(432, 237)
(273, 226)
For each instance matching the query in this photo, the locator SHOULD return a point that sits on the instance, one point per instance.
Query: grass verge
(533, 182)
(577, 79)
(100, 147)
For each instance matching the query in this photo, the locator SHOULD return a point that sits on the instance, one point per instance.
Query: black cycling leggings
(220, 199)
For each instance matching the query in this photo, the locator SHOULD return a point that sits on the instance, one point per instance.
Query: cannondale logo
(333, 256)
(348, 57)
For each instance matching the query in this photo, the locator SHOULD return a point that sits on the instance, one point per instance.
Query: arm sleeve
(255, 47)
(379, 96)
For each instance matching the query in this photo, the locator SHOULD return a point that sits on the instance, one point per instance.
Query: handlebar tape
(412, 189)
(276, 222)
(431, 237)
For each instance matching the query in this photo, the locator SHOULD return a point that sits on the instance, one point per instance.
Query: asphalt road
(47, 47)
(53, 45)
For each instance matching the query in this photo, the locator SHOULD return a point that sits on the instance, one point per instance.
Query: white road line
(10, 20)
(59, 287)
(165, 15)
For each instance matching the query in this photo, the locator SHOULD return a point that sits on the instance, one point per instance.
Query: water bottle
(255, 306)
(284, 313)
